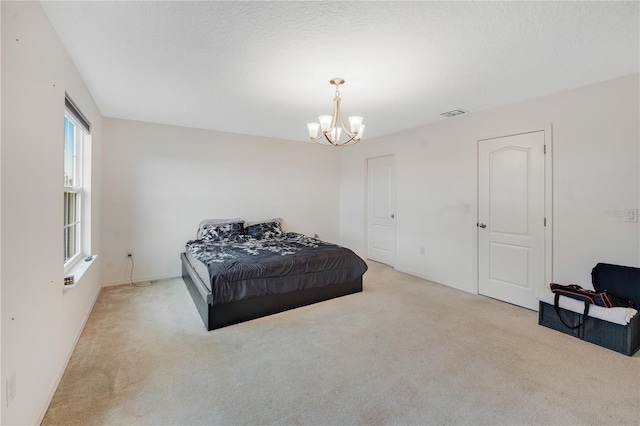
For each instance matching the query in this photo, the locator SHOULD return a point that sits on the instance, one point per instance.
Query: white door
(511, 222)
(381, 189)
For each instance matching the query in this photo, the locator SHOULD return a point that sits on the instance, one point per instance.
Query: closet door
(381, 205)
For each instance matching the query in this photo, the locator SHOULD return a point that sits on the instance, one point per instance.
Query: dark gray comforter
(242, 267)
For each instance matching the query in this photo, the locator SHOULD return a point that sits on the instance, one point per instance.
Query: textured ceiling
(263, 68)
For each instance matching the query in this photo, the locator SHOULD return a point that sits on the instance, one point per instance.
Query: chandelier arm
(338, 121)
(336, 112)
(344, 128)
(352, 138)
(351, 141)
(328, 139)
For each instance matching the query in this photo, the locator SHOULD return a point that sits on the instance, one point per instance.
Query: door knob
(392, 216)
(481, 225)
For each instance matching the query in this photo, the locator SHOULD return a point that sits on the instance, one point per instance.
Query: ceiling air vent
(453, 113)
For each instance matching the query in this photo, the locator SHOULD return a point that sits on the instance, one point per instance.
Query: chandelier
(332, 127)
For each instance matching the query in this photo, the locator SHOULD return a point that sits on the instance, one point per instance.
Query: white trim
(71, 263)
(366, 204)
(475, 283)
(365, 164)
(81, 222)
(548, 207)
(436, 280)
(548, 202)
(78, 269)
(543, 128)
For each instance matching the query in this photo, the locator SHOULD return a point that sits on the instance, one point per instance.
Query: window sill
(78, 269)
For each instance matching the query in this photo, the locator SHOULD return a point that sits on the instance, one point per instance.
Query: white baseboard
(436, 280)
(141, 279)
(43, 410)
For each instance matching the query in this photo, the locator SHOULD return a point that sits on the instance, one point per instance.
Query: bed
(237, 271)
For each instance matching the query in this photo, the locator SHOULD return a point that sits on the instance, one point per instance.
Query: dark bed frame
(244, 310)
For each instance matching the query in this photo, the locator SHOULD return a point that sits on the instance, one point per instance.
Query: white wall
(160, 181)
(595, 168)
(40, 320)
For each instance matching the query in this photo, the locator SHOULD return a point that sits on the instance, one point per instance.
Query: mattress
(200, 268)
(243, 267)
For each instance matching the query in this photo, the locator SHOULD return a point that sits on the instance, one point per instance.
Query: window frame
(76, 187)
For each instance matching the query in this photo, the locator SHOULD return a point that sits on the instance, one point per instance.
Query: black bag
(589, 297)
(603, 298)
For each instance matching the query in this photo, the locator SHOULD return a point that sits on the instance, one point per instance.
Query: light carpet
(404, 351)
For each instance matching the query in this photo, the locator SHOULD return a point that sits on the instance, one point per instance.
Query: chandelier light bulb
(355, 122)
(313, 130)
(325, 123)
(335, 135)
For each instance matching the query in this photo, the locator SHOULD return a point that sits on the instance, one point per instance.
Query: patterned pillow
(217, 222)
(219, 232)
(266, 229)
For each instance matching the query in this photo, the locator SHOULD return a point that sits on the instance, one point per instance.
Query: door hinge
(545, 148)
(545, 221)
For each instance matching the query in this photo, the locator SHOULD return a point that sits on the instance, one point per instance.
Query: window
(76, 136)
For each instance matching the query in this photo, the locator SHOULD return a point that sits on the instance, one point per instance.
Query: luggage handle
(557, 308)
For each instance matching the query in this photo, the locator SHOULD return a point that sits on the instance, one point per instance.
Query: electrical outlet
(11, 388)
